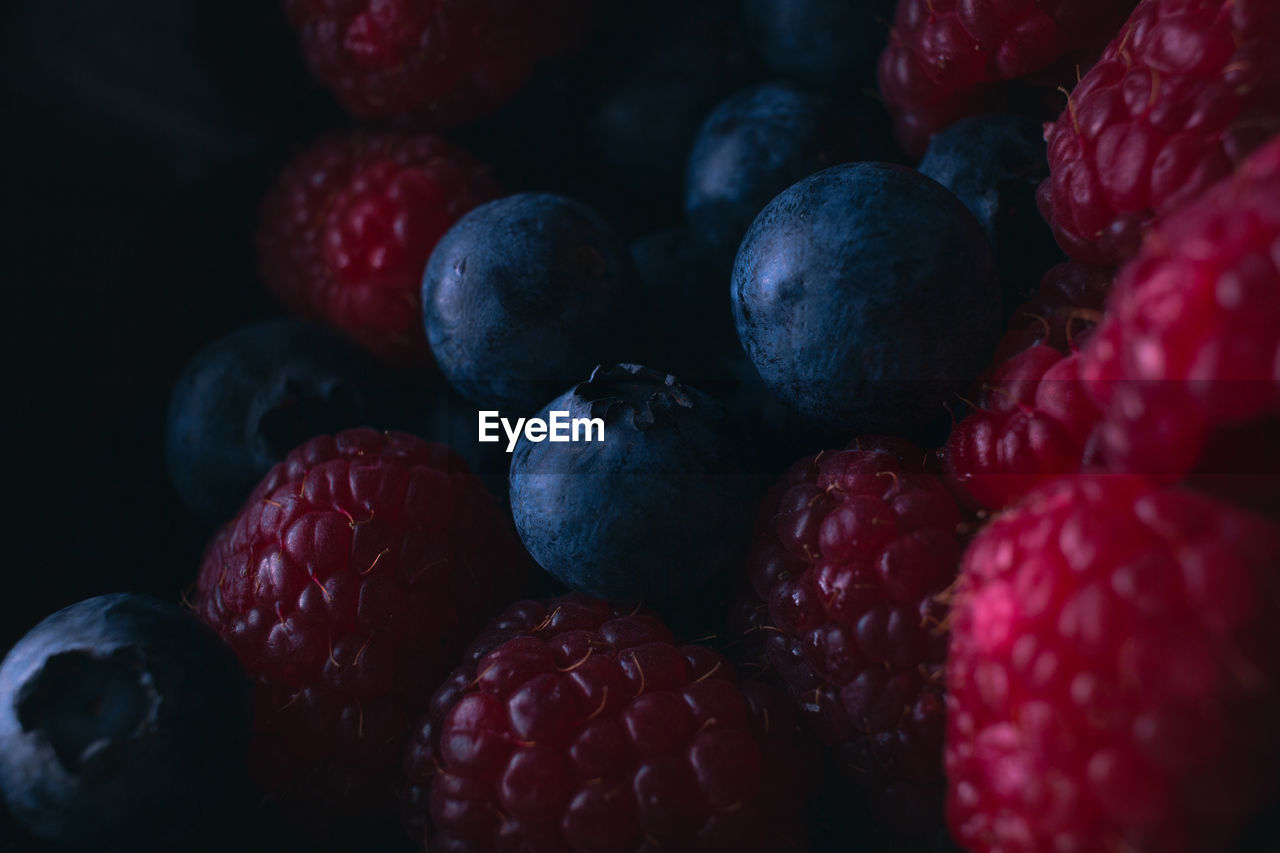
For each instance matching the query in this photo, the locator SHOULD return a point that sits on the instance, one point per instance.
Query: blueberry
(752, 147)
(829, 44)
(866, 296)
(522, 295)
(656, 509)
(994, 164)
(123, 725)
(247, 399)
(643, 125)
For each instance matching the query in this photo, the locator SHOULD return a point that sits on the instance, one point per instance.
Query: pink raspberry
(947, 59)
(852, 549)
(441, 63)
(1033, 419)
(1186, 365)
(1185, 91)
(352, 578)
(1114, 674)
(575, 725)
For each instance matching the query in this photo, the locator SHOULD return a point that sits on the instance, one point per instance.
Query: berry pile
(449, 542)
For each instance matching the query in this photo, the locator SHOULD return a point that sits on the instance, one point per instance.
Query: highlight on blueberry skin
(753, 146)
(867, 297)
(522, 296)
(123, 726)
(656, 509)
(243, 402)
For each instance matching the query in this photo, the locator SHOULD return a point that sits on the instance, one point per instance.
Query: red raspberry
(354, 575)
(947, 59)
(1114, 678)
(578, 726)
(1180, 97)
(852, 550)
(1033, 419)
(347, 230)
(441, 62)
(1187, 362)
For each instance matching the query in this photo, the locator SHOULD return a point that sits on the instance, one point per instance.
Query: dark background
(138, 138)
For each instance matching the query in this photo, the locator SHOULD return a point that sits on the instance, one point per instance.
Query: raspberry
(1061, 312)
(947, 59)
(851, 553)
(1186, 364)
(577, 725)
(1112, 683)
(353, 576)
(347, 230)
(1033, 419)
(1179, 98)
(441, 62)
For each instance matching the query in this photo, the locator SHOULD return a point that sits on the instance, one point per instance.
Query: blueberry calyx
(86, 705)
(302, 410)
(645, 393)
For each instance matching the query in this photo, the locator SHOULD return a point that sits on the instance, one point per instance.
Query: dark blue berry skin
(523, 295)
(826, 44)
(642, 126)
(753, 146)
(123, 726)
(866, 296)
(655, 510)
(994, 164)
(247, 399)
